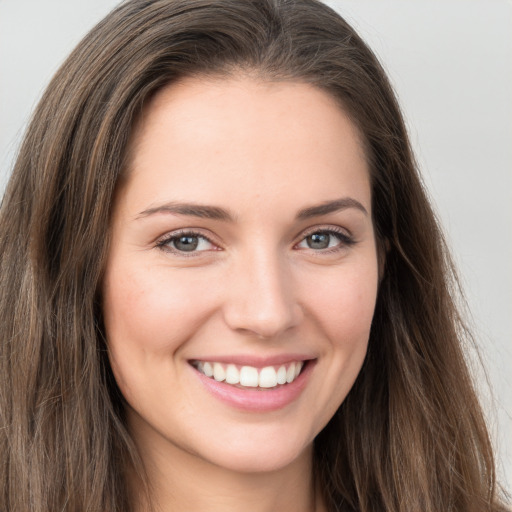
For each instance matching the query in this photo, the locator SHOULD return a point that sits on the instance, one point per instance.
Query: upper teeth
(249, 376)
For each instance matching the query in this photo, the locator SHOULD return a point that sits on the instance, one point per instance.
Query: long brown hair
(410, 435)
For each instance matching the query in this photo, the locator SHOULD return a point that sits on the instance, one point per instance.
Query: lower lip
(258, 400)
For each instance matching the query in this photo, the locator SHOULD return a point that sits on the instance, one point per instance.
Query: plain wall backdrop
(451, 65)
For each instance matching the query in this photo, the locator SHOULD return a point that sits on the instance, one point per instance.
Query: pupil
(318, 241)
(186, 243)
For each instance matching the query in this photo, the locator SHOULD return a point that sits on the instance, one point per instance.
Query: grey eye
(319, 240)
(186, 243)
(322, 240)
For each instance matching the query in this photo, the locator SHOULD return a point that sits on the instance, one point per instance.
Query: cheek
(344, 302)
(341, 306)
(149, 309)
(149, 315)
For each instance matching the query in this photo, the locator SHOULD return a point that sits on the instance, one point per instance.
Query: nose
(260, 296)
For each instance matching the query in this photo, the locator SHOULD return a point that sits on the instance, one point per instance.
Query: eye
(186, 242)
(322, 240)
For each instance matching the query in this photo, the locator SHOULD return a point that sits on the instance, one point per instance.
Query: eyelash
(345, 240)
(164, 243)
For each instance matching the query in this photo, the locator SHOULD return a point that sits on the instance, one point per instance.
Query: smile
(249, 376)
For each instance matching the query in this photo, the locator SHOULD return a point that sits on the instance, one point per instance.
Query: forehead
(207, 136)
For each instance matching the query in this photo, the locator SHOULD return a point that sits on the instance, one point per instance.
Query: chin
(260, 454)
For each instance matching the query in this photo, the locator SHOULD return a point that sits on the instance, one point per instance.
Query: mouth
(260, 387)
(245, 376)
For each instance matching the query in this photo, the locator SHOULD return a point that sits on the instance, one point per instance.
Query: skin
(263, 152)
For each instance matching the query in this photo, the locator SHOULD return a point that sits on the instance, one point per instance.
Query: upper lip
(254, 360)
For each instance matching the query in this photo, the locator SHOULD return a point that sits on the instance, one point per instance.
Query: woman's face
(242, 245)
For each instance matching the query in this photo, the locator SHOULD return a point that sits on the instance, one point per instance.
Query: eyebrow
(218, 213)
(190, 209)
(330, 207)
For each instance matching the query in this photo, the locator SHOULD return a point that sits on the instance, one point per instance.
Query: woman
(230, 286)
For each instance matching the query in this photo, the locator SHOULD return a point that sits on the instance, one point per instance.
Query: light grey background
(451, 65)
